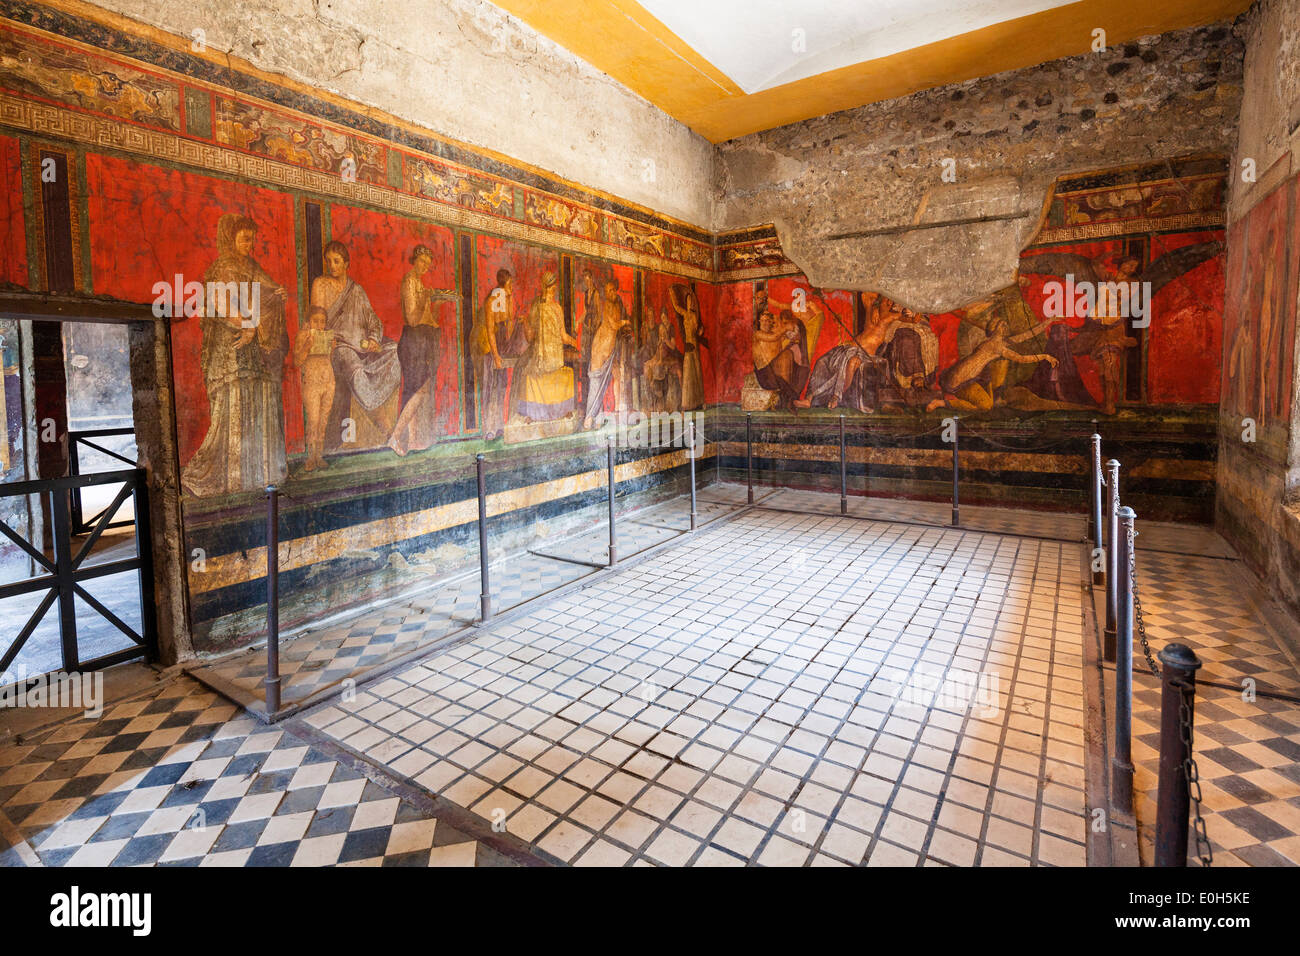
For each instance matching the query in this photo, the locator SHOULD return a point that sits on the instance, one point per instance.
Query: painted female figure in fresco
(975, 381)
(611, 357)
(417, 426)
(417, 350)
(366, 364)
(661, 368)
(692, 374)
(542, 390)
(242, 371)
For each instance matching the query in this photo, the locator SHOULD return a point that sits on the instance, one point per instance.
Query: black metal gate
(65, 574)
(80, 524)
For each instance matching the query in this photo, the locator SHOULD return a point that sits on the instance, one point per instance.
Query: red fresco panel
(379, 250)
(148, 224)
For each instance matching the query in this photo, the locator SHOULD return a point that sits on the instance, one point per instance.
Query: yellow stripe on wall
(242, 566)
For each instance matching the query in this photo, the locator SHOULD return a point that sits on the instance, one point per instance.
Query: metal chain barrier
(1137, 605)
(1191, 774)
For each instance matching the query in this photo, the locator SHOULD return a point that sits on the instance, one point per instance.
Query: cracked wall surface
(879, 169)
(466, 70)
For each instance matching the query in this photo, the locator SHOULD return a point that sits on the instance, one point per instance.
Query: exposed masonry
(1010, 136)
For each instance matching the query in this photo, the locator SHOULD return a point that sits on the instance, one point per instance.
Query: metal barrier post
(613, 552)
(956, 503)
(690, 452)
(1122, 760)
(272, 682)
(1112, 560)
(844, 475)
(749, 455)
(1095, 531)
(1178, 679)
(485, 589)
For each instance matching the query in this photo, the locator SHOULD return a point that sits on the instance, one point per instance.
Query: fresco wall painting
(413, 309)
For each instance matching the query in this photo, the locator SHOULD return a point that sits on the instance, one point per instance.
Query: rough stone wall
(880, 166)
(1258, 483)
(464, 69)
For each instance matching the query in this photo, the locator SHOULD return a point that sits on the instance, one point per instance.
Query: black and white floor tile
(181, 777)
(1247, 750)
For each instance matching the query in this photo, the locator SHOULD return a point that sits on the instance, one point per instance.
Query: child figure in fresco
(311, 354)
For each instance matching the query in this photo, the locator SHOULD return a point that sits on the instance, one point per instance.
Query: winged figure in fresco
(1104, 335)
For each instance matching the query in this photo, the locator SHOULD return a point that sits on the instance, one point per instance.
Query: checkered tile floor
(316, 661)
(784, 689)
(1247, 752)
(179, 777)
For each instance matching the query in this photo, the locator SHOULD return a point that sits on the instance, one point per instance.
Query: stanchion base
(613, 557)
(272, 685)
(692, 520)
(486, 604)
(956, 518)
(844, 506)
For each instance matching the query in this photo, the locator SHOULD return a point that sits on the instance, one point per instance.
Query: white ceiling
(753, 41)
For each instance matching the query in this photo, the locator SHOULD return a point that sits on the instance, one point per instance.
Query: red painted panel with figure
(237, 409)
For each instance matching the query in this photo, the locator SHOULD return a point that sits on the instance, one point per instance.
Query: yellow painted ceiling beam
(622, 39)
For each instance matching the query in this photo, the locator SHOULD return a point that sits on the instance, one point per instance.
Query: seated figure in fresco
(417, 426)
(852, 374)
(661, 368)
(911, 350)
(780, 351)
(542, 390)
(243, 367)
(367, 370)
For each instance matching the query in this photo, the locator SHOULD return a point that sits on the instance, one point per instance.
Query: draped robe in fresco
(543, 384)
(243, 449)
(831, 379)
(370, 376)
(611, 357)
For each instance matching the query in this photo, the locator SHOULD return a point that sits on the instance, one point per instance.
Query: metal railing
(844, 477)
(272, 682)
(1178, 794)
(76, 439)
(64, 575)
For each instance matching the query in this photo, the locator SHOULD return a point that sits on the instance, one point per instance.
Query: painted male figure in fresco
(243, 365)
(850, 375)
(366, 363)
